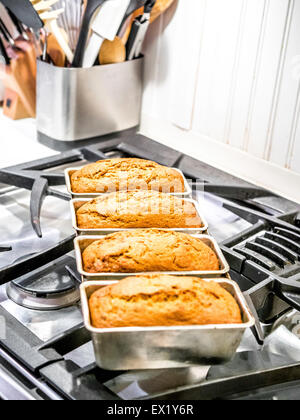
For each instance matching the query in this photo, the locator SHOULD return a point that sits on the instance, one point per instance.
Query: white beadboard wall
(222, 81)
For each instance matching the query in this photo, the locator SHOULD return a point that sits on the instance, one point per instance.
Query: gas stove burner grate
(35, 176)
(40, 176)
(276, 250)
(4, 248)
(266, 258)
(51, 287)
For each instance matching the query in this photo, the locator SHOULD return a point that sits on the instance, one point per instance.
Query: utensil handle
(289, 292)
(61, 40)
(130, 46)
(137, 36)
(149, 6)
(83, 36)
(92, 51)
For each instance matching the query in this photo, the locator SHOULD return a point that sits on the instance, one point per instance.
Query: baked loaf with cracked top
(126, 174)
(138, 209)
(160, 300)
(148, 250)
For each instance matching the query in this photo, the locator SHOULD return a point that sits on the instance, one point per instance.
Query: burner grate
(266, 258)
(36, 261)
(274, 252)
(40, 176)
(5, 248)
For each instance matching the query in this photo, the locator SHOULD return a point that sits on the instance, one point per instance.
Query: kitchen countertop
(19, 143)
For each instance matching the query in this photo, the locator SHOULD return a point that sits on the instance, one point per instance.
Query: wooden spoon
(112, 52)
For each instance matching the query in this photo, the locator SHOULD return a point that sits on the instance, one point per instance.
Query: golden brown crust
(138, 209)
(124, 175)
(160, 300)
(148, 250)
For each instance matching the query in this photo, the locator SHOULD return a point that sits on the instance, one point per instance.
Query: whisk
(49, 17)
(71, 19)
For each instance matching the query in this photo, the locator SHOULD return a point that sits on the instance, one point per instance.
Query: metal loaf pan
(69, 171)
(82, 242)
(76, 204)
(166, 347)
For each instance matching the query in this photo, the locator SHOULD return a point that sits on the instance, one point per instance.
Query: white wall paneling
(221, 155)
(287, 92)
(248, 56)
(267, 77)
(167, 92)
(294, 151)
(229, 71)
(183, 89)
(217, 65)
(285, 133)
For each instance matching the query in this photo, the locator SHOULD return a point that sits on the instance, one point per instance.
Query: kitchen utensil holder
(80, 104)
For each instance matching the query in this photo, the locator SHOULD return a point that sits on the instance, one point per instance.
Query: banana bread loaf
(126, 174)
(138, 209)
(160, 300)
(148, 250)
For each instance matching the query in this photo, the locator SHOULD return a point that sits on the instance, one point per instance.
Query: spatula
(105, 26)
(25, 12)
(91, 7)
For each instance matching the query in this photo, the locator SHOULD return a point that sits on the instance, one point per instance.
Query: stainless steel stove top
(17, 232)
